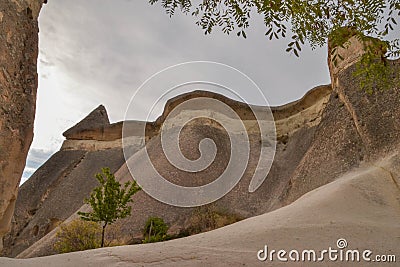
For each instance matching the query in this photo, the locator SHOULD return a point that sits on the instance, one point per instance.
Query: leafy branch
(311, 21)
(109, 201)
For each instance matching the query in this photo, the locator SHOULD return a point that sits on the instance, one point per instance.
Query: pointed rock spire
(97, 119)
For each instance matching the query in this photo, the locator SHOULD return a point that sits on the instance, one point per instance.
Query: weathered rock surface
(356, 127)
(18, 86)
(319, 138)
(96, 121)
(296, 123)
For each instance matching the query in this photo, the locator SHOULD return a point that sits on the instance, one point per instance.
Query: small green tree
(109, 201)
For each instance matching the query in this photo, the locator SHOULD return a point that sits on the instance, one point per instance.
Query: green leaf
(109, 200)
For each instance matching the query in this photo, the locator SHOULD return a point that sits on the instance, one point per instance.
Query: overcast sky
(100, 51)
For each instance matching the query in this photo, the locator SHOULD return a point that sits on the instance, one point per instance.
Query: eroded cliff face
(356, 126)
(51, 195)
(18, 86)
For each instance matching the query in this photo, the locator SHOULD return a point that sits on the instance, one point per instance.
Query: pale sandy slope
(363, 207)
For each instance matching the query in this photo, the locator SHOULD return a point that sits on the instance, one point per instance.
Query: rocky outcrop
(356, 127)
(18, 86)
(89, 148)
(306, 112)
(288, 119)
(93, 123)
(319, 138)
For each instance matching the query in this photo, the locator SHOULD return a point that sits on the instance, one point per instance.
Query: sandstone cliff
(18, 85)
(49, 197)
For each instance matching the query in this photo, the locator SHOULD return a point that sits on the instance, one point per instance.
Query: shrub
(115, 236)
(78, 235)
(209, 217)
(155, 230)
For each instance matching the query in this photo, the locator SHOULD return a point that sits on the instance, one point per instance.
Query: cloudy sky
(100, 51)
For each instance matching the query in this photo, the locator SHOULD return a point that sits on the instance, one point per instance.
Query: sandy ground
(362, 207)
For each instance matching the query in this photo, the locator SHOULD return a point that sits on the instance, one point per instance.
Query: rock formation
(320, 137)
(356, 127)
(96, 120)
(18, 85)
(94, 143)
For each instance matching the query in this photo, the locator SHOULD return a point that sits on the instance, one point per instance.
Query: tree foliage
(109, 201)
(312, 21)
(309, 20)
